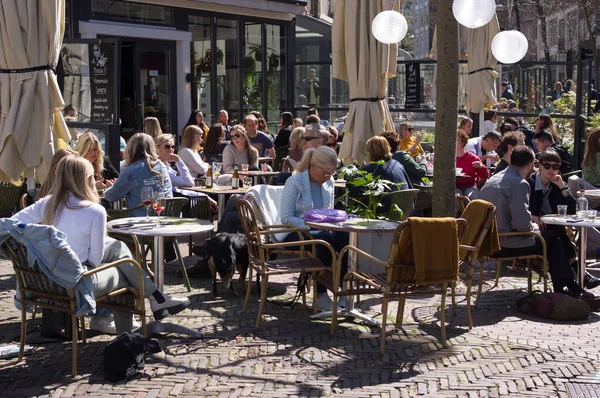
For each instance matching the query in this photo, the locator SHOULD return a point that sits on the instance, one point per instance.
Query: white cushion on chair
(268, 199)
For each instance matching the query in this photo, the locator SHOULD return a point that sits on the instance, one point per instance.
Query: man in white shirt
(485, 147)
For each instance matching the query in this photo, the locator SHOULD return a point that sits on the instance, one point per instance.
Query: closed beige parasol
(481, 82)
(31, 122)
(363, 62)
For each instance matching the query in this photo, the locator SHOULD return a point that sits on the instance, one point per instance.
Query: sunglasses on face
(169, 146)
(234, 136)
(553, 166)
(411, 129)
(305, 138)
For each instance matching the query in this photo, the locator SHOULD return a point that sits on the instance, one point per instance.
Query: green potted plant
(371, 192)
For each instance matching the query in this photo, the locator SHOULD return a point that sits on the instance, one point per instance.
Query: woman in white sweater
(239, 151)
(72, 207)
(191, 139)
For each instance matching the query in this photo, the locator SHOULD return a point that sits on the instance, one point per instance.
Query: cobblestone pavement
(505, 354)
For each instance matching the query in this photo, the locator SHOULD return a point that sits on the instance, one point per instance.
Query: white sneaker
(170, 306)
(103, 324)
(325, 303)
(135, 325)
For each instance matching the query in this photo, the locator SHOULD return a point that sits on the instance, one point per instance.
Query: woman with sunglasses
(191, 139)
(239, 151)
(548, 190)
(180, 175)
(410, 143)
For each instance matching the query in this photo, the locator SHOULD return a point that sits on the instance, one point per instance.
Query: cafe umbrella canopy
(31, 121)
(363, 62)
(481, 81)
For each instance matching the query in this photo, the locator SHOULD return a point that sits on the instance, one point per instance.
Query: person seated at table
(286, 122)
(239, 151)
(197, 119)
(89, 147)
(545, 122)
(258, 139)
(383, 166)
(544, 140)
(510, 193)
(466, 124)
(296, 142)
(414, 170)
(590, 168)
(333, 137)
(408, 142)
(548, 190)
(152, 127)
(484, 147)
(143, 169)
(191, 139)
(312, 187)
(471, 166)
(490, 120)
(509, 142)
(215, 144)
(72, 207)
(36, 193)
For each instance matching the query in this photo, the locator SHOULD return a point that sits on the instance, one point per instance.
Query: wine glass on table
(217, 167)
(147, 199)
(159, 206)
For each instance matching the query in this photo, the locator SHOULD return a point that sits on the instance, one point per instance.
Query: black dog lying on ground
(226, 252)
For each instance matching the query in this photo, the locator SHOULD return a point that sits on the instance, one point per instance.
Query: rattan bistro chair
(259, 251)
(395, 279)
(10, 198)
(35, 288)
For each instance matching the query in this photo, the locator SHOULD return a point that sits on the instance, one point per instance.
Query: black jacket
(555, 197)
(566, 165)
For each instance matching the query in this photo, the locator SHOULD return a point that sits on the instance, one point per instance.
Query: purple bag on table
(325, 215)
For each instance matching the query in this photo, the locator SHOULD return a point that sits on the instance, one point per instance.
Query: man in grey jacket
(509, 192)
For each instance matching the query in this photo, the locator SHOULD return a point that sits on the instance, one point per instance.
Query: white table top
(223, 189)
(570, 220)
(258, 173)
(171, 226)
(592, 193)
(355, 225)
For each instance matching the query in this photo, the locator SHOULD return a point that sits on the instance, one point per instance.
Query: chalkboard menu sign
(101, 82)
(413, 86)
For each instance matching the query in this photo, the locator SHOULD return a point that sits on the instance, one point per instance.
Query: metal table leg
(582, 255)
(349, 311)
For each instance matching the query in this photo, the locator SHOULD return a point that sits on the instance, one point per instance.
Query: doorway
(147, 85)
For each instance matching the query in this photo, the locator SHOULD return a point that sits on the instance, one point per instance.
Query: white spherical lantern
(389, 27)
(509, 46)
(473, 13)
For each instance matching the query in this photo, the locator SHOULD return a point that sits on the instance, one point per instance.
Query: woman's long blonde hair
(296, 139)
(323, 156)
(592, 147)
(85, 143)
(74, 176)
(141, 147)
(187, 137)
(152, 127)
(59, 155)
(251, 152)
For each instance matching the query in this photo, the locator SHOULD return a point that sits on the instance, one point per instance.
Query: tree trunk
(446, 111)
(517, 15)
(542, 16)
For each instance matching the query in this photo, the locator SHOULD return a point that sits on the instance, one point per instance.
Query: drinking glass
(591, 215)
(264, 167)
(562, 211)
(159, 206)
(247, 182)
(245, 167)
(216, 168)
(147, 199)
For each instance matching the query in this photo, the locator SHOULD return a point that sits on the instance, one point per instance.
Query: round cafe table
(582, 225)
(353, 226)
(221, 192)
(170, 226)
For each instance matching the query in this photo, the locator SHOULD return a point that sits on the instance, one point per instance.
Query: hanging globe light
(389, 27)
(509, 46)
(473, 13)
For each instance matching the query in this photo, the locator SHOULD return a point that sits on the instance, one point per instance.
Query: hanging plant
(249, 64)
(274, 61)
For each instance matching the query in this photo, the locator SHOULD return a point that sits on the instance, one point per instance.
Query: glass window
(228, 67)
(201, 62)
(252, 65)
(133, 12)
(276, 74)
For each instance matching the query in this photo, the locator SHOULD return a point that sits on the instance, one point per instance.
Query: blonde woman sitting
(89, 147)
(191, 139)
